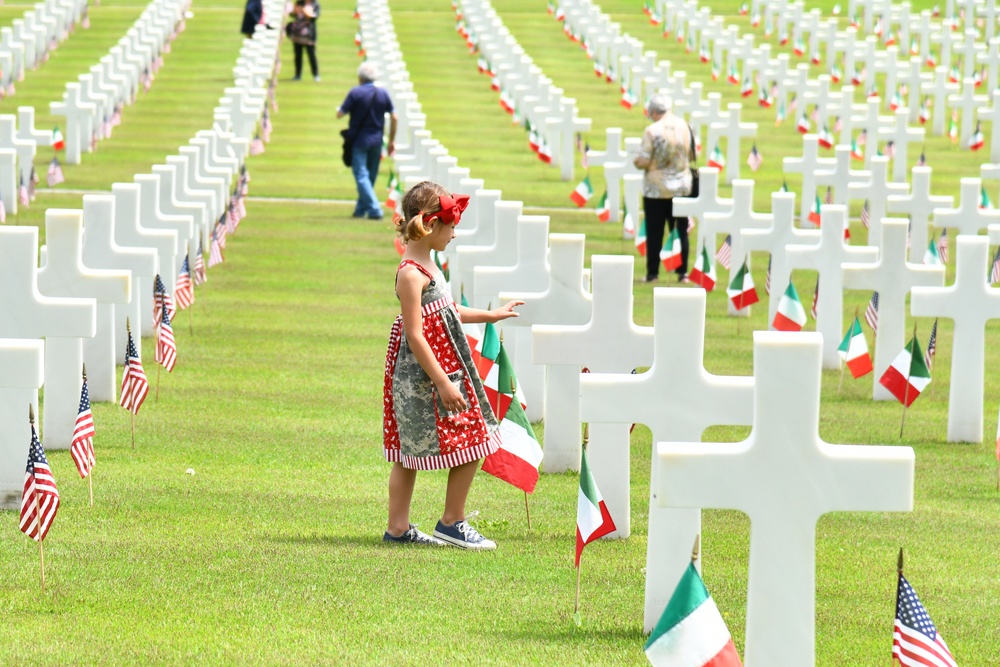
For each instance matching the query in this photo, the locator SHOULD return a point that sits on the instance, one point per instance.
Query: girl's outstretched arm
(409, 284)
(478, 315)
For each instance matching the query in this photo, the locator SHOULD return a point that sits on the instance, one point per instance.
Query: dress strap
(410, 262)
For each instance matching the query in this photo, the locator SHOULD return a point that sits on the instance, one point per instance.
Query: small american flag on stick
(931, 346)
(161, 300)
(865, 214)
(943, 246)
(166, 347)
(200, 275)
(82, 445)
(215, 252)
(23, 198)
(871, 313)
(725, 254)
(134, 383)
(754, 160)
(54, 176)
(40, 497)
(995, 271)
(184, 290)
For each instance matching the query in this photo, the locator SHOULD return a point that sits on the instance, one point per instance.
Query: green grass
(270, 553)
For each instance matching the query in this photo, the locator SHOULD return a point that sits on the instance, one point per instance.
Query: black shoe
(374, 217)
(650, 279)
(413, 536)
(357, 215)
(297, 77)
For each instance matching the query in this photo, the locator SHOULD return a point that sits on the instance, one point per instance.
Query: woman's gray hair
(659, 104)
(367, 72)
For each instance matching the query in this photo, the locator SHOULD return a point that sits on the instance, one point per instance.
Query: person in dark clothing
(251, 16)
(302, 31)
(367, 105)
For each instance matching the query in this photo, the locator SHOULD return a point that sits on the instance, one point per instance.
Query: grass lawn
(271, 553)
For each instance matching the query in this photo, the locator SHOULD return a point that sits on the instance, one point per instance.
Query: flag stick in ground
(843, 365)
(128, 328)
(576, 604)
(906, 392)
(527, 512)
(90, 475)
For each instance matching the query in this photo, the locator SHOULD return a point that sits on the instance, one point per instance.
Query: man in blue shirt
(367, 105)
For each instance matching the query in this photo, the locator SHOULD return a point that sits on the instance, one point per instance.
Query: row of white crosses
(25, 43)
(89, 103)
(97, 269)
(538, 101)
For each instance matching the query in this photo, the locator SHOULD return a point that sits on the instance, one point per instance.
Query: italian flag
(734, 76)
(976, 141)
(814, 212)
(691, 632)
(516, 461)
(741, 290)
(703, 273)
(853, 351)
(57, 142)
(931, 255)
(716, 159)
(825, 138)
(582, 193)
(953, 127)
(670, 254)
(592, 517)
(640, 238)
(602, 210)
(486, 351)
(746, 89)
(803, 126)
(628, 98)
(908, 374)
(791, 316)
(496, 383)
(856, 152)
(984, 199)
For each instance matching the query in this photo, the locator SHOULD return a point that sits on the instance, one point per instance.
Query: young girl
(435, 412)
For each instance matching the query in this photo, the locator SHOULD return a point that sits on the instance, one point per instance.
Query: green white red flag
(486, 350)
(592, 517)
(691, 632)
(741, 291)
(814, 216)
(853, 351)
(602, 210)
(791, 316)
(582, 192)
(703, 273)
(670, 254)
(516, 461)
(640, 238)
(908, 374)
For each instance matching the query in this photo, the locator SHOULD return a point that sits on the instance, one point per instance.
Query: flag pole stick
(133, 429)
(128, 328)
(576, 605)
(158, 366)
(90, 483)
(695, 550)
(527, 512)
(38, 525)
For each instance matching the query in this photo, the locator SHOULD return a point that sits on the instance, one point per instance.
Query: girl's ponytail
(422, 198)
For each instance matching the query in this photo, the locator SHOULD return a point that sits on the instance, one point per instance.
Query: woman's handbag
(695, 178)
(348, 147)
(300, 31)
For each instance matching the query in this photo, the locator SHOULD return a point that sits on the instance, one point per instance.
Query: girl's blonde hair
(422, 198)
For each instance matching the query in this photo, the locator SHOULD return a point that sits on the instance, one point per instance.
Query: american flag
(200, 276)
(995, 272)
(922, 160)
(871, 314)
(32, 183)
(244, 181)
(915, 640)
(166, 348)
(184, 290)
(265, 126)
(890, 149)
(146, 79)
(134, 383)
(23, 198)
(865, 214)
(931, 346)
(828, 199)
(863, 138)
(40, 497)
(838, 124)
(754, 160)
(767, 278)
(161, 298)
(584, 160)
(815, 298)
(214, 252)
(54, 176)
(943, 246)
(82, 445)
(232, 217)
(256, 146)
(725, 254)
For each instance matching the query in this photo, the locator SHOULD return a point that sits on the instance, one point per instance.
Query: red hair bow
(451, 209)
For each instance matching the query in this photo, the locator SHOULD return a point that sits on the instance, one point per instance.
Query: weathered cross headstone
(22, 362)
(920, 205)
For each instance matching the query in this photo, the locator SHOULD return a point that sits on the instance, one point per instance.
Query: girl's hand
(505, 311)
(451, 397)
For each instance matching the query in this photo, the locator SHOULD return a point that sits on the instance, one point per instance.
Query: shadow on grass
(567, 631)
(367, 540)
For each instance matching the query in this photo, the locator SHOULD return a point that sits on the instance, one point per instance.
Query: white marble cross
(707, 201)
(740, 216)
(809, 165)
(784, 477)
(940, 89)
(968, 218)
(901, 135)
(969, 103)
(991, 59)
(610, 342)
(971, 303)
(876, 192)
(25, 149)
(23, 366)
(826, 258)
(892, 277)
(971, 50)
(733, 130)
(842, 176)
(874, 125)
(79, 115)
(101, 252)
(560, 300)
(991, 115)
(677, 399)
(921, 206)
(64, 275)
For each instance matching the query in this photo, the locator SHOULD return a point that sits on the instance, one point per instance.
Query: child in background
(435, 412)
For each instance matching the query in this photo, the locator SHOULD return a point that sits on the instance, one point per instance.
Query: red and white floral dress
(417, 429)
